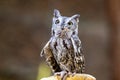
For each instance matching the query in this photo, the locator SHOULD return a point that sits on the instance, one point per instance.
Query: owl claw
(62, 74)
(73, 74)
(57, 74)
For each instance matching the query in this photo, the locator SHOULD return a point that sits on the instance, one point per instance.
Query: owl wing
(47, 53)
(79, 57)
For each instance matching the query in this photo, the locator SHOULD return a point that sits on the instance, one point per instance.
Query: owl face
(64, 27)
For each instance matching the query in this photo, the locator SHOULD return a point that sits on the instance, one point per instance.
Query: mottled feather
(63, 52)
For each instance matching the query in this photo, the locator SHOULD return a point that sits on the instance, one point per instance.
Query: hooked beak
(64, 31)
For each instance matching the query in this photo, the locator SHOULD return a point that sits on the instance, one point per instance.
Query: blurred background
(25, 28)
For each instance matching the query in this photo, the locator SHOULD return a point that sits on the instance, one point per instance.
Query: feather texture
(63, 52)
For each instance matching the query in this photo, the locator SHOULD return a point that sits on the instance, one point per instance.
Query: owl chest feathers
(64, 53)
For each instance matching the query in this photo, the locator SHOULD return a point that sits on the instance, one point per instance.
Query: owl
(63, 52)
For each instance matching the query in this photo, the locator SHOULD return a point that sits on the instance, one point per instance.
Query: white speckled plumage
(63, 51)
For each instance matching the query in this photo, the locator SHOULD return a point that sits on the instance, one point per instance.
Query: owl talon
(73, 74)
(57, 74)
(62, 74)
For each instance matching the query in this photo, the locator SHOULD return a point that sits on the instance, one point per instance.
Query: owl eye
(70, 23)
(57, 21)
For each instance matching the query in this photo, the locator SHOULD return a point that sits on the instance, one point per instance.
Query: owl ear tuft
(76, 17)
(56, 13)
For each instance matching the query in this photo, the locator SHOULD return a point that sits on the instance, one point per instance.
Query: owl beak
(64, 31)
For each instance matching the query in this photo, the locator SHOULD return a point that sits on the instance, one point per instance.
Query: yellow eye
(57, 21)
(70, 23)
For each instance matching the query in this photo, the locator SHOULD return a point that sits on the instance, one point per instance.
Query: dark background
(25, 28)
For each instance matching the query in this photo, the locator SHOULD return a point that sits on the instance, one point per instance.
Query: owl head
(64, 27)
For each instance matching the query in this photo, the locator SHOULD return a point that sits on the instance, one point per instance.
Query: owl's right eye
(57, 22)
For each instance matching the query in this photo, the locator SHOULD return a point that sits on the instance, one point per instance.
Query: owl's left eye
(70, 23)
(57, 22)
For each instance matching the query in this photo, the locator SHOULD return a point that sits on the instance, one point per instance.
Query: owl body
(63, 52)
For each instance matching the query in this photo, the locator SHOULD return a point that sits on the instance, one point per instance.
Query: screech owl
(63, 52)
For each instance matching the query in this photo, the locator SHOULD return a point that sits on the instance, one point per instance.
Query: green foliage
(43, 71)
